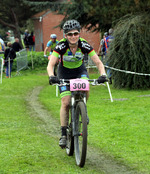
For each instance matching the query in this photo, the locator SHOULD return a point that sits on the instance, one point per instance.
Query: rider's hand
(53, 80)
(102, 79)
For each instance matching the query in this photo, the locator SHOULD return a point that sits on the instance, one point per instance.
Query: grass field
(118, 129)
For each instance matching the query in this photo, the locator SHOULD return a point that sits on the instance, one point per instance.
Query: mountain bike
(77, 123)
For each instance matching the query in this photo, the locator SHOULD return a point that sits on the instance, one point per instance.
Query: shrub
(130, 51)
(37, 60)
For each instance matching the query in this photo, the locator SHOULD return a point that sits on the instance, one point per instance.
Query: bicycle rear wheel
(80, 139)
(70, 139)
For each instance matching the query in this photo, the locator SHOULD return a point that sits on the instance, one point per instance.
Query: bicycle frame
(76, 96)
(78, 88)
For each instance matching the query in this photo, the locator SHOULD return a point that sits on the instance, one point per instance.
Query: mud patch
(95, 158)
(50, 125)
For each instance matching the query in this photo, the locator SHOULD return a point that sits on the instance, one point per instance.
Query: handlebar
(67, 82)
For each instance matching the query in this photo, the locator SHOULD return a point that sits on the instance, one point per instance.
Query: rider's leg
(64, 110)
(64, 117)
(87, 95)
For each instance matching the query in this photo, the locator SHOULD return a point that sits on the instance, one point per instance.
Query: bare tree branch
(7, 24)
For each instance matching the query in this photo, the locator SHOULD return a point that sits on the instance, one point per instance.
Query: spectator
(16, 45)
(109, 39)
(9, 55)
(26, 42)
(31, 40)
(103, 46)
(2, 45)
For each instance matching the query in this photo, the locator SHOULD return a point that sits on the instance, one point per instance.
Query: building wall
(38, 35)
(44, 28)
(49, 22)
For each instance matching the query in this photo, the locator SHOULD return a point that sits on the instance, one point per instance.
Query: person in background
(51, 44)
(31, 40)
(26, 42)
(9, 55)
(102, 48)
(2, 45)
(110, 37)
(109, 40)
(16, 45)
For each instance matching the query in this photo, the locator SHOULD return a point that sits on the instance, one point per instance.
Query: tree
(130, 51)
(3, 33)
(99, 15)
(14, 15)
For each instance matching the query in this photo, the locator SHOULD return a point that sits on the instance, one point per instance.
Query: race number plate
(79, 85)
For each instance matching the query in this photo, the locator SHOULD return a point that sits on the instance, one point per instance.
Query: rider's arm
(99, 64)
(99, 50)
(45, 51)
(49, 43)
(53, 60)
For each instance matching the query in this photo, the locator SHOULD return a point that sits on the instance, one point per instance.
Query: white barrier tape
(128, 72)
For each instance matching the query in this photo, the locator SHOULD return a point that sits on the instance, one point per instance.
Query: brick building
(44, 25)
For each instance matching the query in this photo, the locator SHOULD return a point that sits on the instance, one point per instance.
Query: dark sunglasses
(71, 34)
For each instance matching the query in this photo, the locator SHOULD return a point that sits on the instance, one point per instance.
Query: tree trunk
(17, 34)
(16, 30)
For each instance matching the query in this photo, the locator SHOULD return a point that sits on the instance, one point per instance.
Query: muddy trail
(95, 158)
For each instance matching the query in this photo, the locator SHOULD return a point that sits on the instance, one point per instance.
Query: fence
(22, 60)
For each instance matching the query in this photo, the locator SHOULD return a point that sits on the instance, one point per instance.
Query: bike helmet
(110, 31)
(105, 34)
(53, 36)
(71, 25)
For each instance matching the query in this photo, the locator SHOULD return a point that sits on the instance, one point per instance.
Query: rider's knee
(65, 101)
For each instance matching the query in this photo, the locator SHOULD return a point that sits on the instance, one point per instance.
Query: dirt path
(95, 159)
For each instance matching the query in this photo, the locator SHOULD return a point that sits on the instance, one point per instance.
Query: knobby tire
(81, 133)
(70, 139)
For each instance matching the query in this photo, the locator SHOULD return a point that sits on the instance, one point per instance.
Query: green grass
(119, 129)
(25, 147)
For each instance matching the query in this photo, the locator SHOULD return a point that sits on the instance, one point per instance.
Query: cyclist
(71, 65)
(52, 44)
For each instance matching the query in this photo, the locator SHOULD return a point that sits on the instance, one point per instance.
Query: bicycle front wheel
(70, 140)
(80, 138)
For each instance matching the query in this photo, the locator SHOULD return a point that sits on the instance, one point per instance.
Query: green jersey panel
(67, 58)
